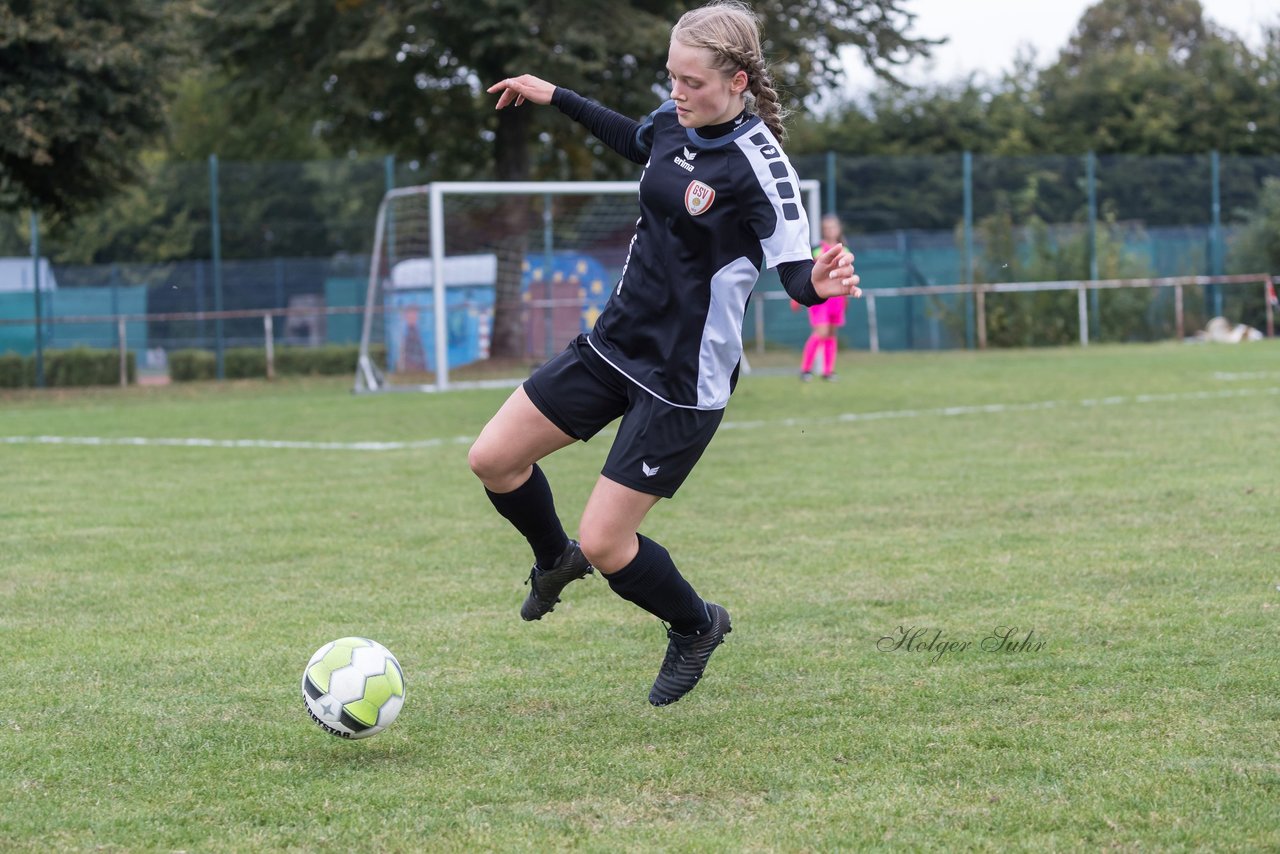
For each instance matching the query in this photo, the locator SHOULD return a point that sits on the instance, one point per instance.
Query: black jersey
(713, 213)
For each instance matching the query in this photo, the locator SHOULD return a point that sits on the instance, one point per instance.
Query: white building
(18, 275)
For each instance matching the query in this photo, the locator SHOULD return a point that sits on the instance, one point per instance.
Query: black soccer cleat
(687, 657)
(545, 584)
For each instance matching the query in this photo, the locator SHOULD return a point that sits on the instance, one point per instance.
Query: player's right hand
(526, 87)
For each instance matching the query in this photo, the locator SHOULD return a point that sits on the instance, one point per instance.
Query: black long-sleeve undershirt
(797, 281)
(613, 129)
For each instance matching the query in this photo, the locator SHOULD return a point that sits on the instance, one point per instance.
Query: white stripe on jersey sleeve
(781, 185)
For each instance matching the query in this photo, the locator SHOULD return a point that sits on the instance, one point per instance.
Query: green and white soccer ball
(353, 687)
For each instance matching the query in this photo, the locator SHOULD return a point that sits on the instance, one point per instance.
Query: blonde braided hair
(731, 32)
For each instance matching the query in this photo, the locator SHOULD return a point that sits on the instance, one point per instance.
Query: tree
(270, 202)
(1139, 77)
(969, 114)
(81, 93)
(409, 76)
(904, 143)
(1017, 245)
(1154, 77)
(1256, 249)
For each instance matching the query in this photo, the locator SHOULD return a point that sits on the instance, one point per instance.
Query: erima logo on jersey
(686, 162)
(648, 472)
(698, 198)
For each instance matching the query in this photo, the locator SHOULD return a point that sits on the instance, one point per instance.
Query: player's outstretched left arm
(517, 90)
(833, 274)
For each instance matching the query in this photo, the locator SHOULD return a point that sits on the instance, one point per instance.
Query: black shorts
(657, 444)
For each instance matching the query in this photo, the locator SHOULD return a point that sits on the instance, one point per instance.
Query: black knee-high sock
(532, 509)
(652, 581)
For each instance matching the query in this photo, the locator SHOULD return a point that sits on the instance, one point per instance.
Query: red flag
(1271, 293)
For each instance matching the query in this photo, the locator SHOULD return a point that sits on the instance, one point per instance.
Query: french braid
(731, 31)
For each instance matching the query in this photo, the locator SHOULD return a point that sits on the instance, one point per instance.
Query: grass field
(1117, 508)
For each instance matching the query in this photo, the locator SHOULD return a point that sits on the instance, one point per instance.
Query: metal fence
(768, 322)
(203, 250)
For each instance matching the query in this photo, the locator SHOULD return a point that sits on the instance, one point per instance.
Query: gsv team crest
(698, 198)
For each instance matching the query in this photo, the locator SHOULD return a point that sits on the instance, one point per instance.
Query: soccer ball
(353, 687)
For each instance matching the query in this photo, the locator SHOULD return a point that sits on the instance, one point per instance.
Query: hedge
(80, 366)
(251, 362)
(83, 366)
(186, 365)
(16, 372)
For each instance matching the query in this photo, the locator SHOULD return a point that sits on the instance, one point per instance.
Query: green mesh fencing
(294, 237)
(58, 334)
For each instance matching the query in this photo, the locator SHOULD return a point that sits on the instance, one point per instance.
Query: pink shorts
(830, 312)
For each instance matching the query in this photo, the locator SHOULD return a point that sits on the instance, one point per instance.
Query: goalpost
(472, 284)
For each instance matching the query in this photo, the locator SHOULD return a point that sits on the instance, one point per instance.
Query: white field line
(1001, 408)
(883, 415)
(1242, 376)
(141, 441)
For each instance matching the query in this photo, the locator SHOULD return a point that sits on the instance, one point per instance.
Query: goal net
(476, 283)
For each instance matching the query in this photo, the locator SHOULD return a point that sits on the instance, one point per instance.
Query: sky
(985, 34)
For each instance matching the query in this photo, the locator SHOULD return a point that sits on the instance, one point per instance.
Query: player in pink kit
(825, 317)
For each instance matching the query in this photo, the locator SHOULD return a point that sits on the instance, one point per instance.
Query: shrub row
(65, 368)
(251, 362)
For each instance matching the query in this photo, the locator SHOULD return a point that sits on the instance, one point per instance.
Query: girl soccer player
(718, 200)
(827, 316)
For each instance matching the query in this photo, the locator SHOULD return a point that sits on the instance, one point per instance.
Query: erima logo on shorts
(686, 162)
(698, 198)
(648, 472)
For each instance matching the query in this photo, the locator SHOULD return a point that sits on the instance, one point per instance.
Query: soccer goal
(473, 284)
